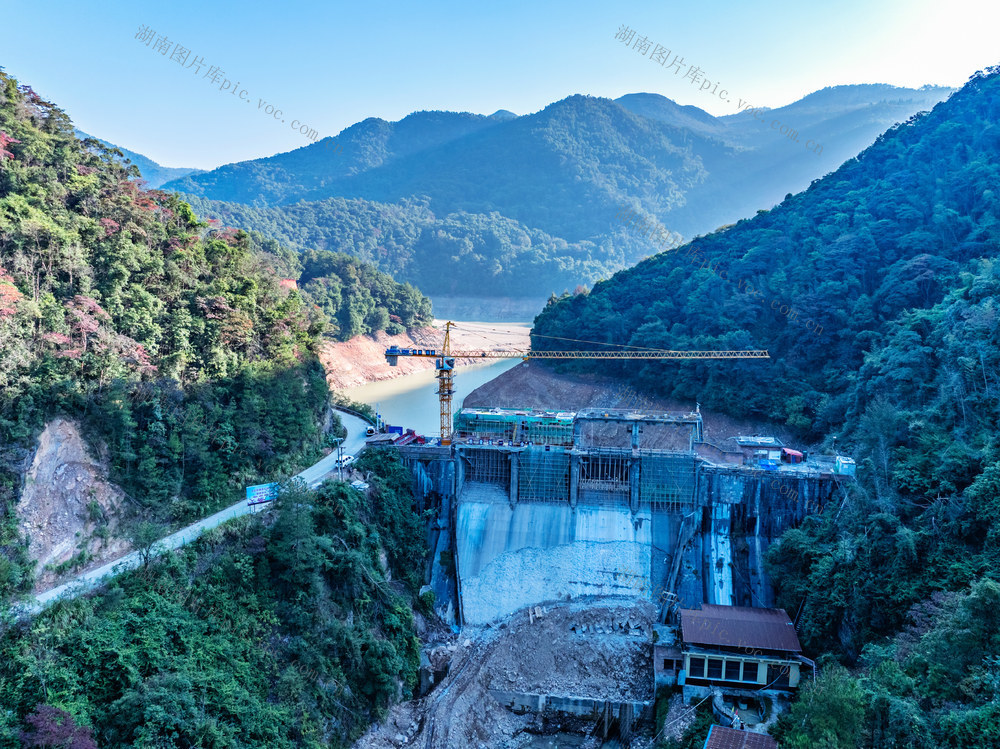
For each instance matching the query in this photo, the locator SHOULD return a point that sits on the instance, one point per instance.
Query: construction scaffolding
(487, 466)
(666, 480)
(596, 457)
(486, 429)
(549, 431)
(514, 426)
(605, 476)
(543, 474)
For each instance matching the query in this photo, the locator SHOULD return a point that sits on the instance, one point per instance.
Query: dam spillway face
(537, 507)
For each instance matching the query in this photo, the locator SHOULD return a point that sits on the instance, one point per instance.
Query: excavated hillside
(68, 510)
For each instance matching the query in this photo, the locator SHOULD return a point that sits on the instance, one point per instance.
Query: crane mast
(445, 363)
(445, 376)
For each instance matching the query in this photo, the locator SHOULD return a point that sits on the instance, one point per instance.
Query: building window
(732, 670)
(750, 671)
(697, 668)
(777, 676)
(714, 668)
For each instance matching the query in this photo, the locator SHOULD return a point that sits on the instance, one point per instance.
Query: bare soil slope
(534, 384)
(68, 509)
(362, 359)
(549, 655)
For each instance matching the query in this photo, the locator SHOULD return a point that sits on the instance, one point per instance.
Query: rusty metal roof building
(739, 627)
(720, 737)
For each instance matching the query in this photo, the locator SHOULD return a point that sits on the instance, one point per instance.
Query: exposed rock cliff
(68, 509)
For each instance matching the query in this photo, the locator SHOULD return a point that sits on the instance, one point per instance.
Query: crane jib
(445, 363)
(665, 354)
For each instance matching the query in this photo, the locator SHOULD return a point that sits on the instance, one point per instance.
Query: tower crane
(445, 363)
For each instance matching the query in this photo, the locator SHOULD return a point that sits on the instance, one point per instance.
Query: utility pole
(339, 445)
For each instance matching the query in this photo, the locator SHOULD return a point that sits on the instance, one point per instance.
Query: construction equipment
(445, 363)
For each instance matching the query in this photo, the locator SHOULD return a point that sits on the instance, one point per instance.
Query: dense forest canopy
(356, 298)
(891, 266)
(290, 629)
(486, 255)
(185, 349)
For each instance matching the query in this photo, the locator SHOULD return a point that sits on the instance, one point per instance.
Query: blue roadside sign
(261, 493)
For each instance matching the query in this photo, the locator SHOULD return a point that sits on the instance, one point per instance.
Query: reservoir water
(411, 401)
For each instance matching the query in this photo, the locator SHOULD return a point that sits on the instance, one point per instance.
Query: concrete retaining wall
(509, 557)
(582, 707)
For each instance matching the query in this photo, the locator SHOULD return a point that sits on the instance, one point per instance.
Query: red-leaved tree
(6, 140)
(9, 295)
(53, 728)
(86, 316)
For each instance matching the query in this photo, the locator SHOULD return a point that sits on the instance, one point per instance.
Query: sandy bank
(362, 359)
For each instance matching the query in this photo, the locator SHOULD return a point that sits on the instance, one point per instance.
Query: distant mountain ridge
(428, 152)
(657, 107)
(366, 145)
(560, 173)
(154, 174)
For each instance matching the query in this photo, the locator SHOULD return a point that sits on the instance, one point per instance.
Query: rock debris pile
(597, 649)
(602, 652)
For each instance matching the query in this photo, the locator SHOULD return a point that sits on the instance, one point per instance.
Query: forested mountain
(187, 350)
(294, 632)
(531, 200)
(459, 254)
(876, 292)
(291, 176)
(355, 296)
(153, 174)
(188, 353)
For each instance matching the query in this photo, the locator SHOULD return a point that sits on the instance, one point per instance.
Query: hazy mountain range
(524, 205)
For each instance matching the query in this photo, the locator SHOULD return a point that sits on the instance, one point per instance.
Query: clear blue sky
(330, 65)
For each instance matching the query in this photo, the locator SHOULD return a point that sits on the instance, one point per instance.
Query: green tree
(829, 713)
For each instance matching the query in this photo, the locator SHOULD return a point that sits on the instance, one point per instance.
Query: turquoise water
(411, 401)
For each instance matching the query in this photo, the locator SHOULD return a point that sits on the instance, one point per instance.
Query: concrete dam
(535, 506)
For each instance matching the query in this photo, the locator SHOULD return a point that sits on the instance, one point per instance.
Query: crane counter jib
(445, 363)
